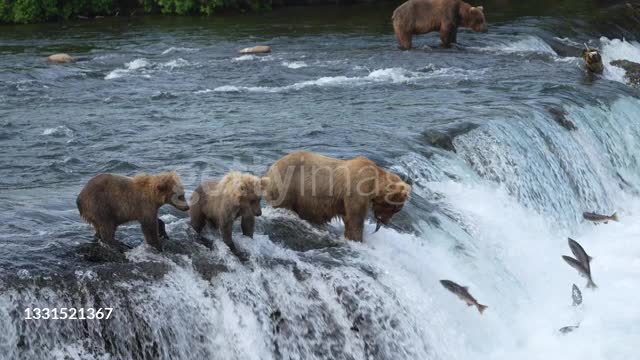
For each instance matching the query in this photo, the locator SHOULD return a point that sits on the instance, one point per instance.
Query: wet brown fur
(109, 200)
(319, 188)
(220, 203)
(445, 16)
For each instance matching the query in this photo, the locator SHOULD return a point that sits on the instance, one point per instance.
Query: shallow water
(154, 94)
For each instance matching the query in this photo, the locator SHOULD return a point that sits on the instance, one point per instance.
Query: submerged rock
(560, 116)
(443, 138)
(259, 49)
(60, 58)
(632, 71)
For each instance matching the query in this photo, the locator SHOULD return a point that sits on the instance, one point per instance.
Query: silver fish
(568, 329)
(581, 270)
(598, 218)
(580, 254)
(576, 294)
(463, 293)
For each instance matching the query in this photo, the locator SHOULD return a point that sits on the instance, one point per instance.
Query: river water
(491, 209)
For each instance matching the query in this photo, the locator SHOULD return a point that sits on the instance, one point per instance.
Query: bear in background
(423, 16)
(220, 203)
(109, 200)
(319, 188)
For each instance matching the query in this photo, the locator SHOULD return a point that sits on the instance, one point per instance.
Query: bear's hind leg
(404, 40)
(198, 220)
(404, 37)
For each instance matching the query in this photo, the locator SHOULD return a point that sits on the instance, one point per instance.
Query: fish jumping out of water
(576, 294)
(580, 254)
(598, 218)
(581, 270)
(463, 293)
(568, 329)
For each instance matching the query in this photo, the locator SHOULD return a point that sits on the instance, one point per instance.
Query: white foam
(616, 49)
(137, 64)
(389, 75)
(226, 88)
(511, 262)
(176, 63)
(567, 41)
(128, 67)
(250, 57)
(245, 57)
(179, 49)
(529, 44)
(58, 130)
(294, 64)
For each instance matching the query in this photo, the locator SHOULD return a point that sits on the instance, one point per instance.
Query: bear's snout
(258, 212)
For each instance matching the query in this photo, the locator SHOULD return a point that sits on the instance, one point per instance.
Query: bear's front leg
(162, 232)
(354, 219)
(248, 224)
(448, 34)
(150, 231)
(404, 40)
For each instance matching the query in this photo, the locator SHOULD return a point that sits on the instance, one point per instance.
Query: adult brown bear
(319, 188)
(423, 16)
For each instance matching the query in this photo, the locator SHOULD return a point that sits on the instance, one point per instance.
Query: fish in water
(581, 270)
(598, 218)
(463, 293)
(568, 329)
(576, 294)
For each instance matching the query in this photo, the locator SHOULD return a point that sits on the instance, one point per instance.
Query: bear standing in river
(423, 16)
(220, 203)
(319, 188)
(109, 200)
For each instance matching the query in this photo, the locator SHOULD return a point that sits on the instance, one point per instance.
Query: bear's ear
(481, 8)
(164, 184)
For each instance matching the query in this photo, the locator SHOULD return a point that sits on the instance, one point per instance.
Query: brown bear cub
(220, 203)
(319, 188)
(109, 200)
(423, 16)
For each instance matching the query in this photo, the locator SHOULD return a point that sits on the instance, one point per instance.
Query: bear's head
(390, 199)
(474, 19)
(170, 191)
(247, 190)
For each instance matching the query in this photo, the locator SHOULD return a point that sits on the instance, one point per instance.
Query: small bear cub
(220, 202)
